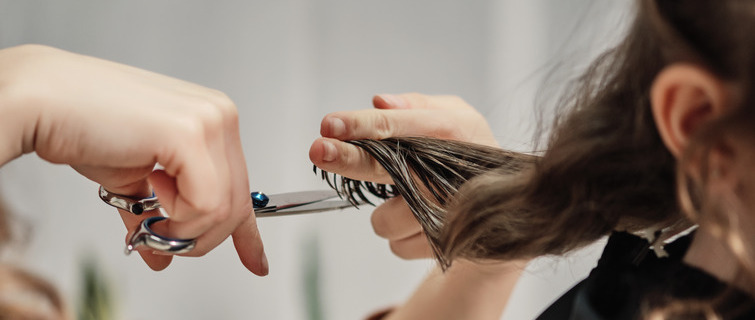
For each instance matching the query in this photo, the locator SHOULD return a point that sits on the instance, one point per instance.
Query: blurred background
(287, 63)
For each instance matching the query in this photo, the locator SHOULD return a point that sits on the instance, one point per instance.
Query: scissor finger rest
(145, 236)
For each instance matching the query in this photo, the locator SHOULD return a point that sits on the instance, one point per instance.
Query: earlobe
(684, 96)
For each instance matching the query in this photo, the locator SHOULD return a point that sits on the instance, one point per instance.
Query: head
(658, 131)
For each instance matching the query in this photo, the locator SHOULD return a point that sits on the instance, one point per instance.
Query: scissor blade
(320, 206)
(294, 199)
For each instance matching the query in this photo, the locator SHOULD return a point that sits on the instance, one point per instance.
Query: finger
(125, 181)
(347, 160)
(155, 260)
(211, 225)
(394, 220)
(381, 124)
(133, 222)
(196, 177)
(413, 247)
(419, 101)
(171, 229)
(211, 228)
(248, 244)
(246, 235)
(166, 189)
(389, 101)
(237, 218)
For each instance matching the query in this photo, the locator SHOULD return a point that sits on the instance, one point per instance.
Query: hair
(605, 167)
(428, 173)
(24, 296)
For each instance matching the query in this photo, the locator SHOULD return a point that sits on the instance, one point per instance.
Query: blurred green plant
(311, 277)
(95, 300)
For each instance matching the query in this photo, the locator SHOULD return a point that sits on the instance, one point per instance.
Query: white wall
(286, 63)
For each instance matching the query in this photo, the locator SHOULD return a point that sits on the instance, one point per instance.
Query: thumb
(165, 188)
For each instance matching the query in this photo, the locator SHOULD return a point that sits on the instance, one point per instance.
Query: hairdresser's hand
(113, 123)
(411, 114)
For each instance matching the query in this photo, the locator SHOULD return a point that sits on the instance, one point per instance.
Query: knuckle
(189, 129)
(382, 125)
(221, 215)
(445, 131)
(224, 104)
(210, 115)
(208, 206)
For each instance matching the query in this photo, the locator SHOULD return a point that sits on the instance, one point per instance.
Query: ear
(683, 97)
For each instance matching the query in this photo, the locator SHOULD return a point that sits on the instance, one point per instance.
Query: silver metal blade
(319, 206)
(295, 199)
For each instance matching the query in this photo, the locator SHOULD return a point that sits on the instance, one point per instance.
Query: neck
(710, 254)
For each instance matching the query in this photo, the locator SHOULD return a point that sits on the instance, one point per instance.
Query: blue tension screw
(259, 199)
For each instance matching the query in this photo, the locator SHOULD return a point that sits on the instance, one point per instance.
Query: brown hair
(428, 173)
(24, 296)
(605, 167)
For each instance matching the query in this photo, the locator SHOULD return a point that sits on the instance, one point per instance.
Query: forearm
(466, 291)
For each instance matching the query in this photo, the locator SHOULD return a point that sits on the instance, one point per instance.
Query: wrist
(18, 113)
(467, 290)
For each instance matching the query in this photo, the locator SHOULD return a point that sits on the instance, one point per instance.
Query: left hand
(409, 114)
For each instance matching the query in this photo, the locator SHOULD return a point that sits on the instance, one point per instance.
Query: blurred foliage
(311, 278)
(95, 300)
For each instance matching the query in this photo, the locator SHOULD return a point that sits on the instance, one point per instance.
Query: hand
(412, 114)
(113, 123)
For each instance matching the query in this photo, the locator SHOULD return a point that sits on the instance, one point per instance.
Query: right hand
(409, 114)
(113, 123)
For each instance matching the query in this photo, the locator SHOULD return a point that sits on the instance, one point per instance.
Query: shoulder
(630, 279)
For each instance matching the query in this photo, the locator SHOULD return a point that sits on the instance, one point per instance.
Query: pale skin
(64, 107)
(684, 98)
(113, 123)
(467, 290)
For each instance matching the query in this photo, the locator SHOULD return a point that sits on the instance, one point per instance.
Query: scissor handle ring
(135, 206)
(145, 236)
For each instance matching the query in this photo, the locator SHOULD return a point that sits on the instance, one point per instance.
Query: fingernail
(330, 151)
(337, 127)
(393, 100)
(264, 264)
(161, 253)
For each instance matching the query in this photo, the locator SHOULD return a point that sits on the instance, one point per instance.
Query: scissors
(272, 205)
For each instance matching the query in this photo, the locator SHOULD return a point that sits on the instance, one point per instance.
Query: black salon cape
(629, 278)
